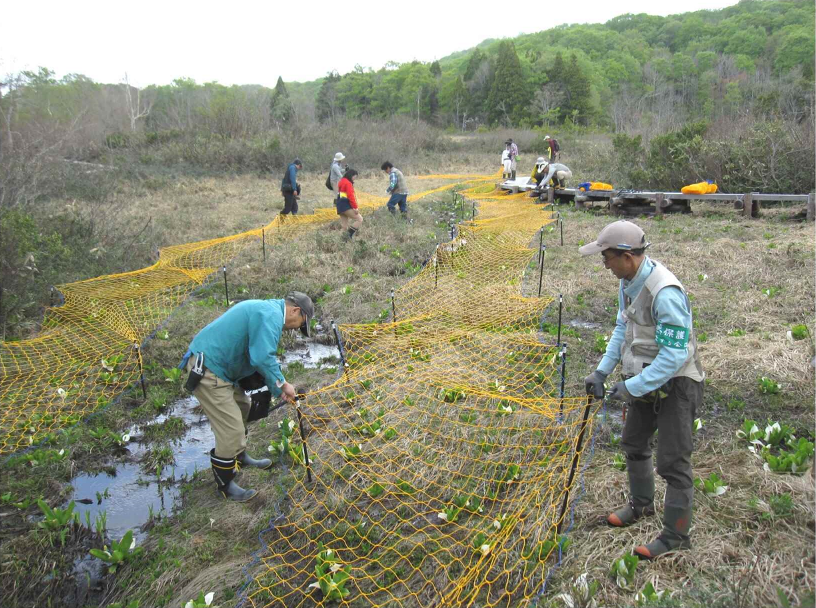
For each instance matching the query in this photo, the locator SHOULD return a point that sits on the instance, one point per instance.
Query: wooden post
(659, 203)
(747, 204)
(811, 207)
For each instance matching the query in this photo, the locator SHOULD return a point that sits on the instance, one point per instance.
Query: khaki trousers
(227, 408)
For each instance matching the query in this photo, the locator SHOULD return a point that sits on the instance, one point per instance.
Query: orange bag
(699, 188)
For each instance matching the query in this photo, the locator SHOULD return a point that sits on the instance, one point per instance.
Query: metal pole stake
(541, 268)
(579, 444)
(560, 308)
(263, 243)
(393, 307)
(226, 288)
(141, 369)
(563, 378)
(339, 345)
(303, 439)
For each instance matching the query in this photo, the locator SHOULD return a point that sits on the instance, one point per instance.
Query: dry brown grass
(740, 556)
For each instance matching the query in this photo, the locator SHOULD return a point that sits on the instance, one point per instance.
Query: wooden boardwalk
(635, 202)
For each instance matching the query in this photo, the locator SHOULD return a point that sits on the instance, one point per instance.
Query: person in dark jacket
(290, 188)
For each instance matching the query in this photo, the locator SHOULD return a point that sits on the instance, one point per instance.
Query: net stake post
(541, 268)
(560, 308)
(561, 223)
(563, 378)
(339, 345)
(263, 243)
(579, 444)
(436, 268)
(226, 287)
(303, 440)
(141, 369)
(393, 307)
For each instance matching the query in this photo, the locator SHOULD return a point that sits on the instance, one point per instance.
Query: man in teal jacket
(241, 342)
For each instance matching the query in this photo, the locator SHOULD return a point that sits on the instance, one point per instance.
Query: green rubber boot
(641, 494)
(676, 525)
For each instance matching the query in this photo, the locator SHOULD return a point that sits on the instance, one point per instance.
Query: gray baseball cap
(621, 235)
(304, 302)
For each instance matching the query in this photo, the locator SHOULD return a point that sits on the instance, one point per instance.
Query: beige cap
(621, 235)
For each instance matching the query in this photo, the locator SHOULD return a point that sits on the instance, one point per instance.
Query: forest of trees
(732, 89)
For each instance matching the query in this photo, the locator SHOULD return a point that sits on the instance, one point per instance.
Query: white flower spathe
(485, 549)
(443, 516)
(62, 393)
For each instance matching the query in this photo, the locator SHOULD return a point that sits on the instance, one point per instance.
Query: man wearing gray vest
(397, 188)
(662, 382)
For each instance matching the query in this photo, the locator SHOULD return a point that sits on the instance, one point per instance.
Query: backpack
(554, 145)
(328, 182)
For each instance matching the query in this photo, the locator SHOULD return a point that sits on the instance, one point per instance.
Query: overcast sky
(241, 42)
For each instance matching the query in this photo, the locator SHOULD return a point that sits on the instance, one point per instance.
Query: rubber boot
(676, 524)
(248, 461)
(513, 175)
(224, 471)
(641, 494)
(350, 233)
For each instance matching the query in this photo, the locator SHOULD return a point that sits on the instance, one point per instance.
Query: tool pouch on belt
(196, 374)
(259, 407)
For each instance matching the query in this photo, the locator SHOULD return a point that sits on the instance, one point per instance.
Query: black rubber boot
(513, 175)
(248, 461)
(350, 234)
(677, 511)
(224, 471)
(641, 494)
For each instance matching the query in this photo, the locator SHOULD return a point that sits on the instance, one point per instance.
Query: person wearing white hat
(539, 170)
(662, 380)
(336, 172)
(552, 171)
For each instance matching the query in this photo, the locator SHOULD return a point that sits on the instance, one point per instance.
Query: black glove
(619, 392)
(595, 384)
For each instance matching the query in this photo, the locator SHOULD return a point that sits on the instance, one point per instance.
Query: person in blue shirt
(662, 381)
(290, 188)
(240, 344)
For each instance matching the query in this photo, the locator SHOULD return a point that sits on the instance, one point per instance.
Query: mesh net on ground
(441, 460)
(88, 351)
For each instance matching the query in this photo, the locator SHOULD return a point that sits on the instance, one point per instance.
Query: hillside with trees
(725, 95)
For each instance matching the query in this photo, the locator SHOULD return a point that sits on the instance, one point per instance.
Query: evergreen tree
(280, 106)
(509, 96)
(327, 104)
(436, 71)
(474, 62)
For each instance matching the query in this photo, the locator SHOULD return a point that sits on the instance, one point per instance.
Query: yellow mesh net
(441, 461)
(87, 353)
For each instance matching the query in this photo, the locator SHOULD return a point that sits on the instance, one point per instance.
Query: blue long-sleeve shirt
(670, 307)
(244, 340)
(293, 176)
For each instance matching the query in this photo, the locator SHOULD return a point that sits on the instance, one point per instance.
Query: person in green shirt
(241, 343)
